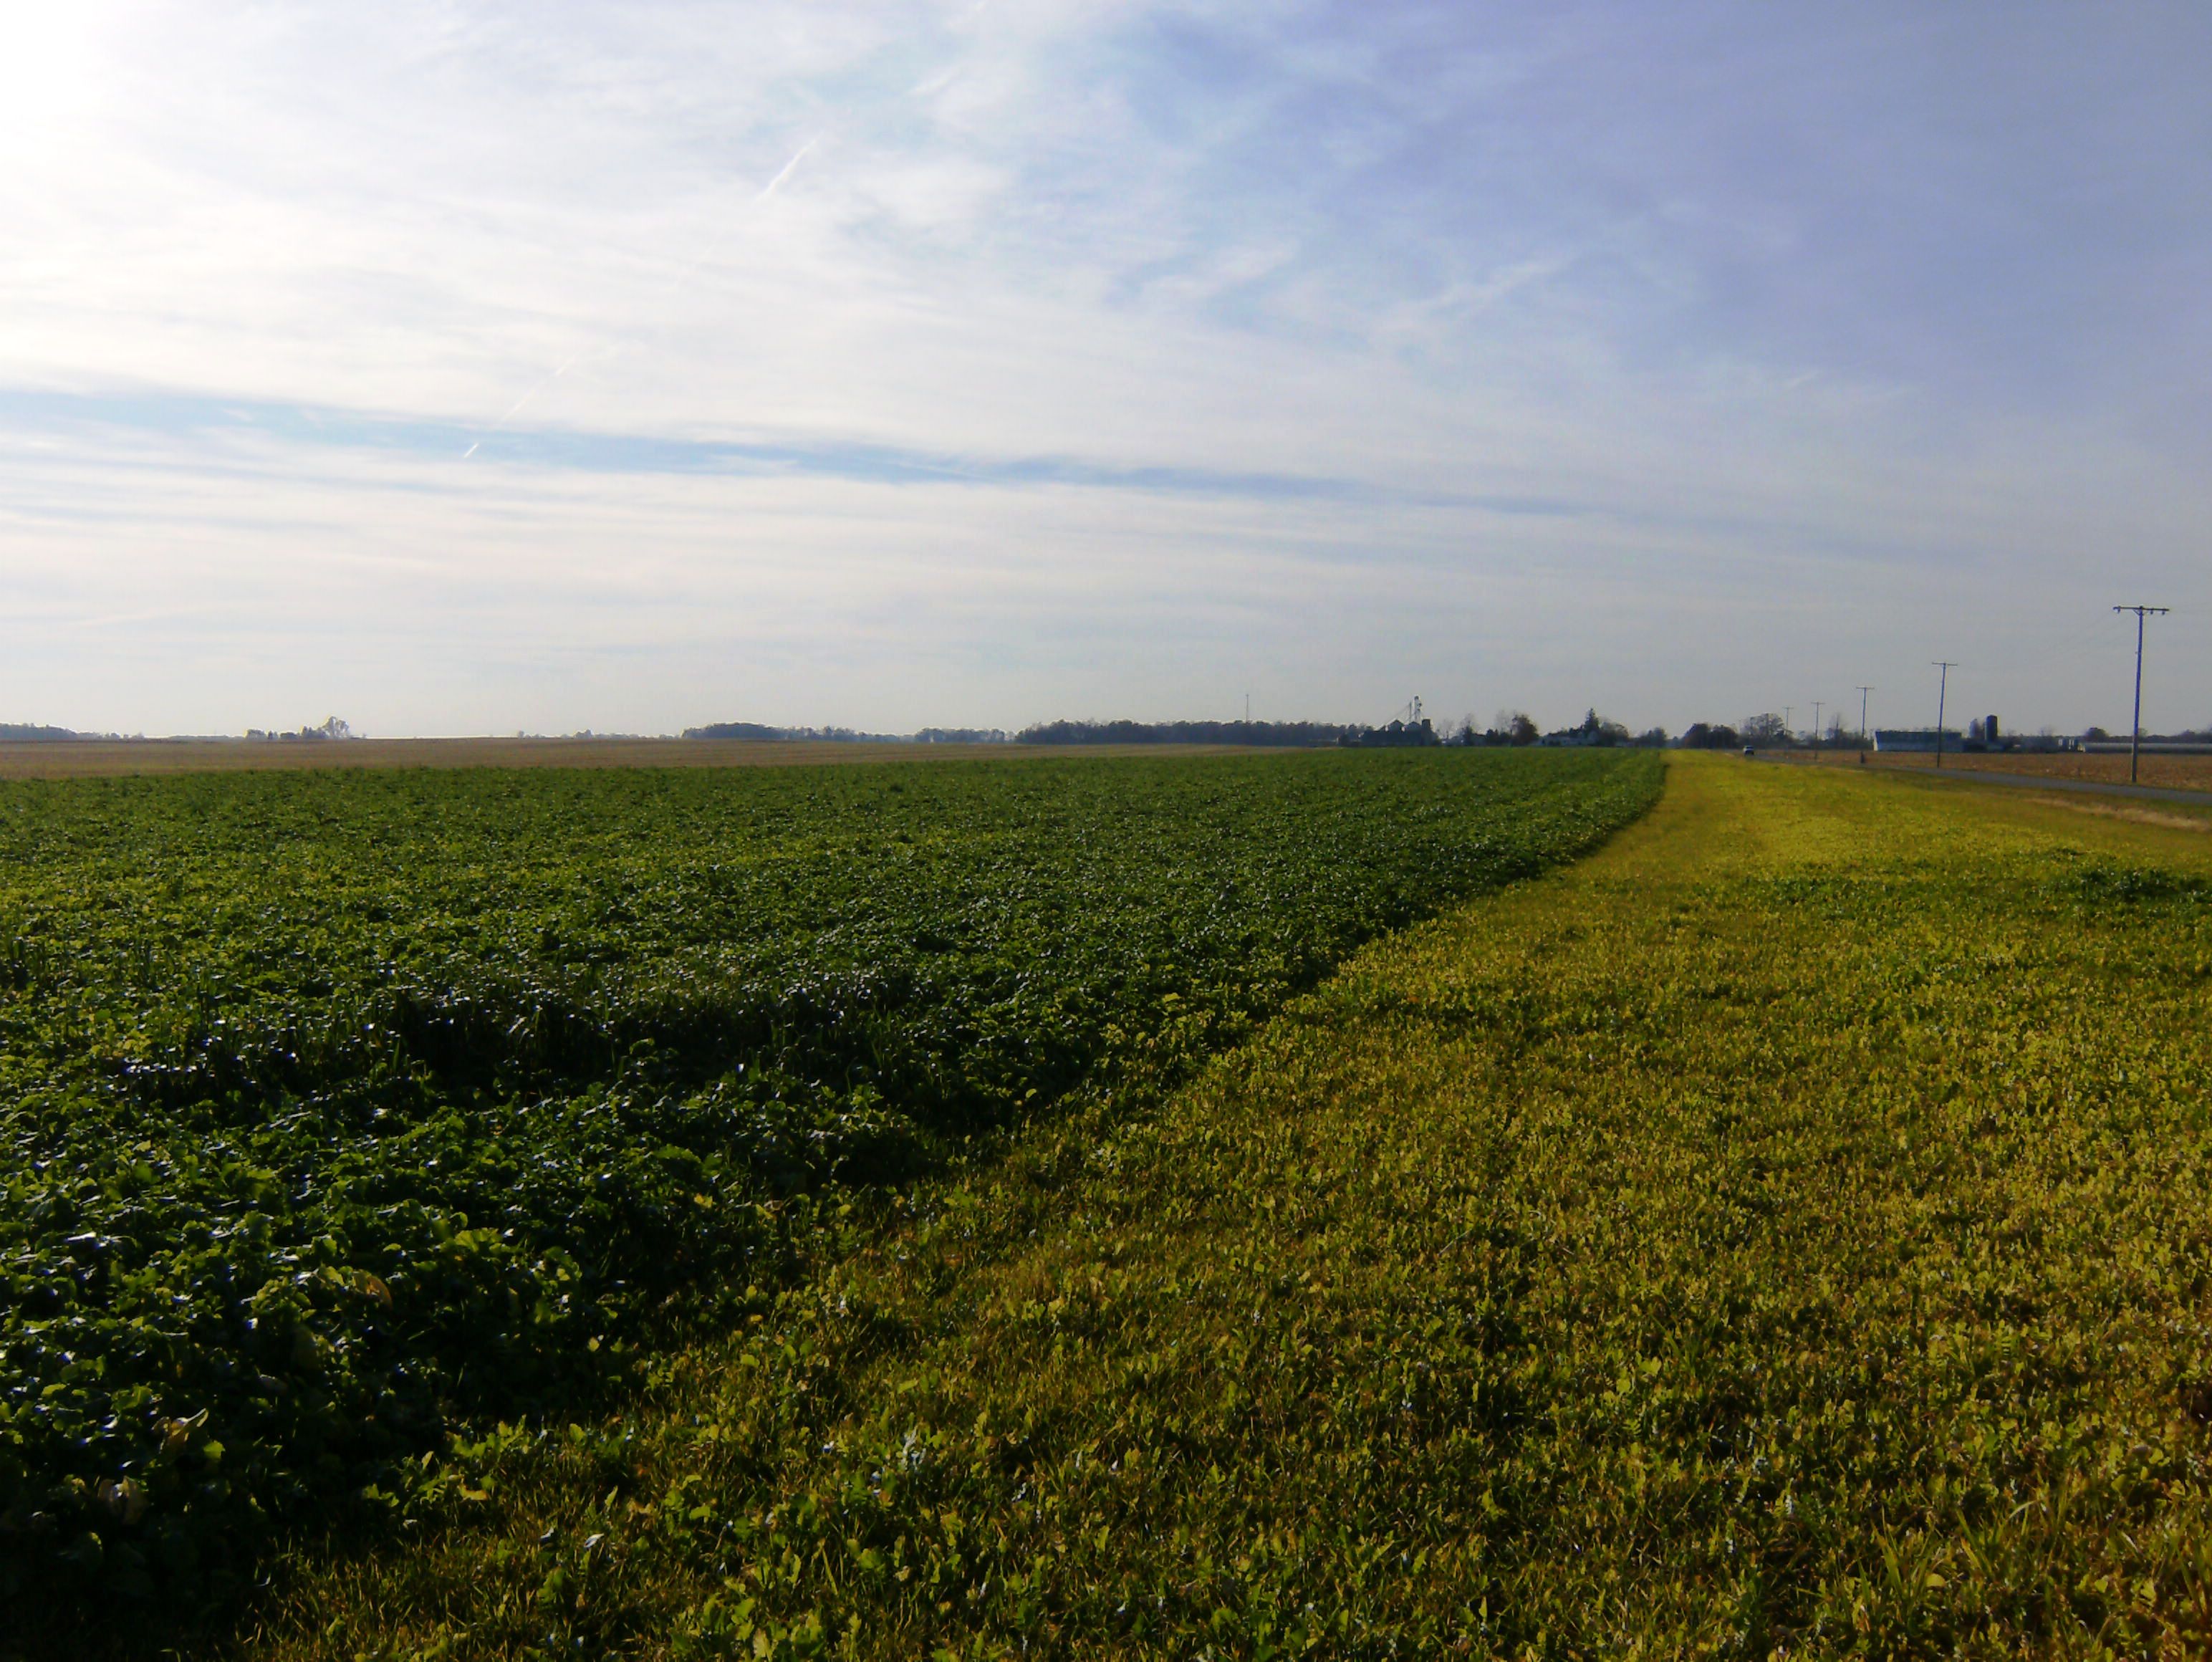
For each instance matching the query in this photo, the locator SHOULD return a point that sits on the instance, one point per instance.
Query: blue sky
(461, 368)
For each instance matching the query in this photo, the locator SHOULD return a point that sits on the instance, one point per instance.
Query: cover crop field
(344, 1109)
(1787, 1232)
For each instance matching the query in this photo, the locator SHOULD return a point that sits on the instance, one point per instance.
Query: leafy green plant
(340, 1109)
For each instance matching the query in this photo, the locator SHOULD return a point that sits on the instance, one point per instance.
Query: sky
(467, 367)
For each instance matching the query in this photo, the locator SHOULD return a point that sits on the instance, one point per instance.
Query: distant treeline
(21, 733)
(1186, 733)
(734, 730)
(759, 731)
(332, 728)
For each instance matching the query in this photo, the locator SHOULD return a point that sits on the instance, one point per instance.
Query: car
(1749, 750)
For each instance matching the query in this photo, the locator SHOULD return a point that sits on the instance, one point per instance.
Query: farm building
(1914, 738)
(1418, 731)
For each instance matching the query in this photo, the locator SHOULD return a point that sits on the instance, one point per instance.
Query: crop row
(340, 1108)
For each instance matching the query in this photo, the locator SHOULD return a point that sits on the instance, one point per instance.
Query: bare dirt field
(77, 759)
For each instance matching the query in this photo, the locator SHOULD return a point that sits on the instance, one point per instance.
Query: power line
(1942, 686)
(2135, 733)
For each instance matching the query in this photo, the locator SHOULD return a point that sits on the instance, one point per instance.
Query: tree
(1601, 730)
(1766, 728)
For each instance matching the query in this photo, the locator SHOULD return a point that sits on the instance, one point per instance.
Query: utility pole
(1942, 686)
(2135, 733)
(1816, 723)
(1788, 732)
(1862, 731)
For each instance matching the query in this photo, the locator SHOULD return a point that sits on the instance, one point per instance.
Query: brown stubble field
(2187, 772)
(88, 758)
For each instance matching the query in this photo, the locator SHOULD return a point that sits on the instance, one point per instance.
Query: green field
(1788, 1231)
(350, 1112)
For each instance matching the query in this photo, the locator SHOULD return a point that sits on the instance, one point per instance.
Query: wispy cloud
(34, 417)
(1667, 357)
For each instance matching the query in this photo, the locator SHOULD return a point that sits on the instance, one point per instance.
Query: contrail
(514, 409)
(681, 279)
(796, 156)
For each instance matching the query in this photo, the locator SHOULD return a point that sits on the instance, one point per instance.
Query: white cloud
(1797, 380)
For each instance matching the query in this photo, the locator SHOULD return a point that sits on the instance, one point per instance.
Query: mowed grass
(1787, 1232)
